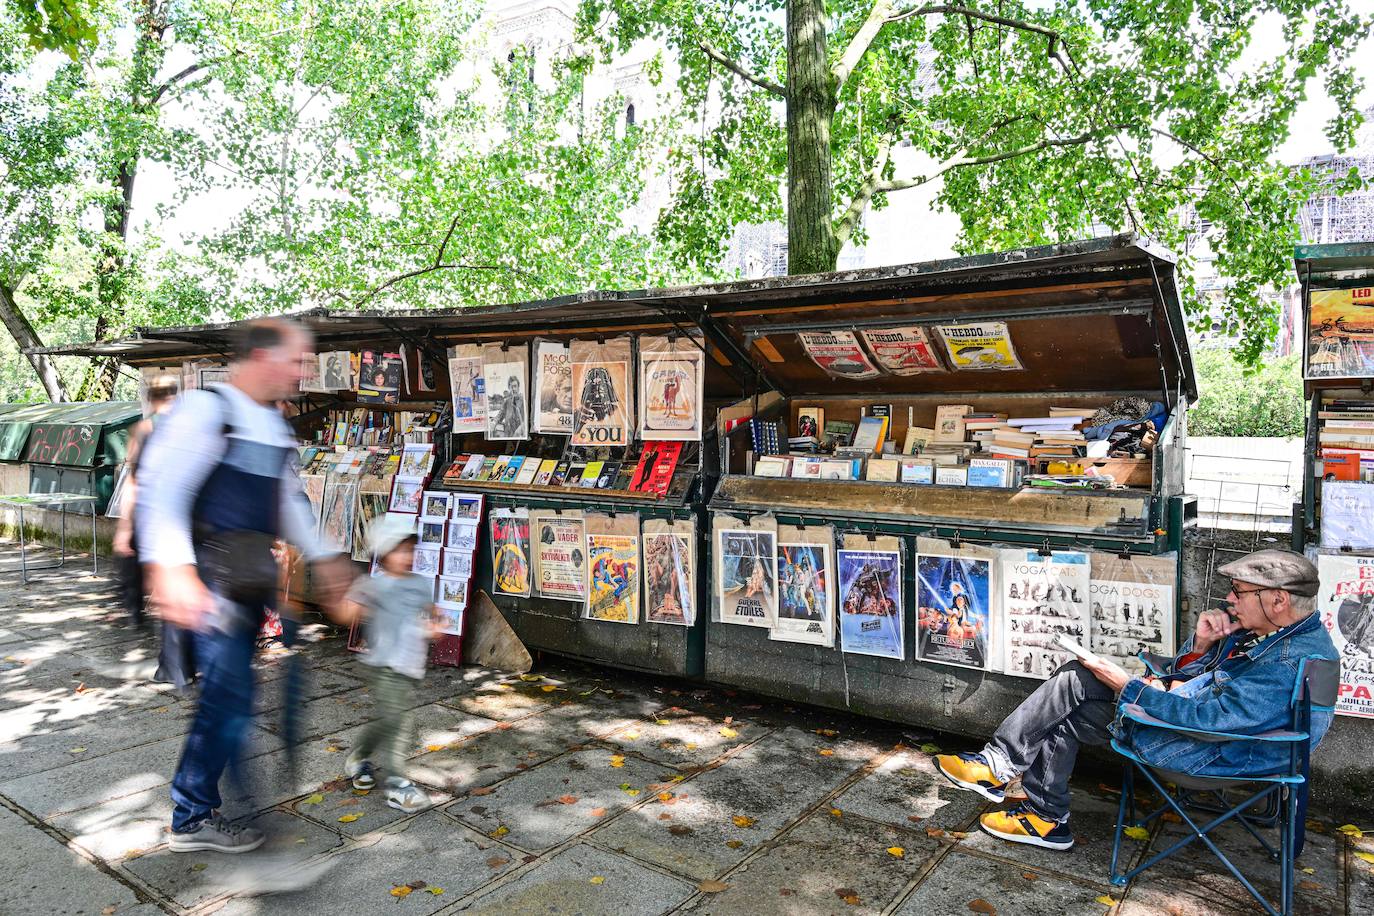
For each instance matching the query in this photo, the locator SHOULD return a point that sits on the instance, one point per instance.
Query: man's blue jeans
(225, 660)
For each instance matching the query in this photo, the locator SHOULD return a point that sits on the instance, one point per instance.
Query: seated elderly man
(1236, 674)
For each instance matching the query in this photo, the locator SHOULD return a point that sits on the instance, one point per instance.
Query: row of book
(1345, 439)
(362, 426)
(1002, 473)
(652, 472)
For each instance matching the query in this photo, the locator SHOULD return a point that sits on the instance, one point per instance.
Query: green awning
(67, 434)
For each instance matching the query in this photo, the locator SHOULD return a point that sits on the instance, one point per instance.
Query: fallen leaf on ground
(109, 910)
(711, 886)
(163, 709)
(1308, 871)
(786, 891)
(596, 879)
(617, 760)
(959, 834)
(930, 749)
(436, 891)
(729, 733)
(300, 841)
(826, 752)
(827, 732)
(400, 891)
(1171, 817)
(333, 749)
(1365, 857)
(1351, 830)
(497, 861)
(504, 687)
(734, 844)
(434, 747)
(1029, 875)
(80, 688)
(632, 792)
(665, 796)
(915, 818)
(500, 831)
(416, 885)
(200, 866)
(660, 721)
(680, 830)
(485, 790)
(598, 812)
(742, 821)
(934, 832)
(848, 895)
(1107, 900)
(632, 735)
(567, 799)
(979, 905)
(690, 745)
(77, 750)
(1309, 886)
(531, 678)
(897, 852)
(1137, 833)
(350, 818)
(835, 812)
(504, 726)
(548, 688)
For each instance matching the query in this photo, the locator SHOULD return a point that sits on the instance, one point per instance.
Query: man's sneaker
(362, 772)
(217, 834)
(406, 796)
(971, 771)
(1021, 825)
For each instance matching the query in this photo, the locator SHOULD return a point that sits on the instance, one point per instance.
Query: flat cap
(1273, 568)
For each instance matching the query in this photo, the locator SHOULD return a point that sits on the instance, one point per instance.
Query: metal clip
(958, 540)
(1125, 552)
(1045, 550)
(505, 346)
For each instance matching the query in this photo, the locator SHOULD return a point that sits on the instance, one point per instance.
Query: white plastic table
(61, 502)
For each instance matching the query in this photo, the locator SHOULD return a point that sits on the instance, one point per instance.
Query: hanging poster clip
(1045, 550)
(957, 540)
(1125, 552)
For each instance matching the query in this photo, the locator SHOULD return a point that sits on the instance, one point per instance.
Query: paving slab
(585, 881)
(440, 681)
(588, 784)
(1360, 880)
(89, 738)
(492, 755)
(959, 880)
(1322, 853)
(117, 829)
(677, 736)
(905, 790)
(323, 682)
(86, 783)
(42, 877)
(502, 701)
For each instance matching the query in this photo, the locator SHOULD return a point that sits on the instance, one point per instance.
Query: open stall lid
(1337, 283)
(68, 434)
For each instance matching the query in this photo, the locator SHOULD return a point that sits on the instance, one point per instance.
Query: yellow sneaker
(971, 771)
(1021, 825)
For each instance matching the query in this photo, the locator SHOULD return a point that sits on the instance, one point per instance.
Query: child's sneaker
(971, 771)
(1021, 825)
(362, 772)
(406, 796)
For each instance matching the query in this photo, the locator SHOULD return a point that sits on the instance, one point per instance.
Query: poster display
(1131, 603)
(336, 370)
(553, 388)
(869, 571)
(560, 555)
(1346, 603)
(612, 582)
(505, 374)
(670, 572)
(1346, 508)
(903, 351)
(603, 407)
(1340, 333)
(956, 618)
(671, 379)
(746, 564)
(838, 353)
(985, 345)
(337, 513)
(1042, 596)
(379, 377)
(468, 387)
(806, 586)
(370, 507)
(510, 552)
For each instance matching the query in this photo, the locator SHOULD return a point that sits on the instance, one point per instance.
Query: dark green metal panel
(54, 478)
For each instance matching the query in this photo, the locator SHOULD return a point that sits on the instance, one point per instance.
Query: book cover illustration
(612, 577)
(953, 610)
(809, 422)
(553, 388)
(838, 353)
(669, 577)
(510, 552)
(748, 575)
(806, 588)
(870, 602)
(601, 395)
(985, 345)
(654, 472)
(671, 383)
(469, 389)
(560, 557)
(903, 351)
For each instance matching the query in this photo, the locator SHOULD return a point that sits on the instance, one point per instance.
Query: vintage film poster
(336, 370)
(560, 555)
(379, 377)
(746, 570)
(670, 572)
(1042, 597)
(406, 496)
(806, 586)
(603, 408)
(510, 552)
(553, 388)
(903, 351)
(505, 371)
(1340, 333)
(955, 605)
(468, 387)
(1131, 607)
(870, 608)
(434, 506)
(612, 568)
(1346, 603)
(983, 345)
(337, 513)
(1346, 507)
(370, 507)
(838, 353)
(671, 379)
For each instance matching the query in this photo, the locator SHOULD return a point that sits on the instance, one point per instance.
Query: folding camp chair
(1262, 800)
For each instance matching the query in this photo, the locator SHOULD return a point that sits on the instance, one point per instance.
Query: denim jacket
(1249, 693)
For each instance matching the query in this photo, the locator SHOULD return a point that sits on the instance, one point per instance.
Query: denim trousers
(1040, 740)
(224, 658)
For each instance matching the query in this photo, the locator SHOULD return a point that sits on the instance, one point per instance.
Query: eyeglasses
(1247, 591)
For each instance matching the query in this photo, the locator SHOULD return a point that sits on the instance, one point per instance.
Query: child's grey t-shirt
(397, 623)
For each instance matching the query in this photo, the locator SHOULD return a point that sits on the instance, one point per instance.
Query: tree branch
(880, 14)
(738, 70)
(1220, 169)
(845, 227)
(175, 78)
(961, 161)
(419, 272)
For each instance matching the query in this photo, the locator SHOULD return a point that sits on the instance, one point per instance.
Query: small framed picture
(426, 561)
(452, 592)
(405, 496)
(450, 619)
(467, 506)
(458, 564)
(462, 535)
(434, 506)
(431, 533)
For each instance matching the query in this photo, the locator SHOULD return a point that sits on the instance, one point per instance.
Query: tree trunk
(811, 243)
(25, 336)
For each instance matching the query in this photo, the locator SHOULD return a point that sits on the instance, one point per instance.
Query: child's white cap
(388, 531)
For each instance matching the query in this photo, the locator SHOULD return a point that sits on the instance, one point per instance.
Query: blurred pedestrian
(220, 486)
(160, 395)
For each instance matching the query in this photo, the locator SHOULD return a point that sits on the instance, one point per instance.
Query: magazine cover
(560, 555)
(986, 345)
(336, 370)
(602, 403)
(612, 568)
(506, 376)
(902, 351)
(1346, 603)
(553, 388)
(671, 379)
(1131, 601)
(746, 561)
(1340, 333)
(670, 572)
(954, 616)
(469, 389)
(1042, 596)
(806, 586)
(870, 597)
(379, 377)
(510, 552)
(839, 354)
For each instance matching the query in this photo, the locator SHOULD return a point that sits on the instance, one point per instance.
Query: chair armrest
(1133, 712)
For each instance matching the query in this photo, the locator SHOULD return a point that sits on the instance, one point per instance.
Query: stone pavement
(568, 791)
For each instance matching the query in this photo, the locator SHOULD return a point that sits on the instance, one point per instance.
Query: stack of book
(1056, 435)
(1345, 439)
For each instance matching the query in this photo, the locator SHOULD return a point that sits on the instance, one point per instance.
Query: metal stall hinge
(947, 688)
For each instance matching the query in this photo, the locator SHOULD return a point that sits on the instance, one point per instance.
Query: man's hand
(329, 583)
(1109, 673)
(179, 595)
(123, 540)
(1212, 626)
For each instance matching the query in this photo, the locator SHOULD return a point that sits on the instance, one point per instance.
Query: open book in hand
(1063, 642)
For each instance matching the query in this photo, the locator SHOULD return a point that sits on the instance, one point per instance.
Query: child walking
(397, 609)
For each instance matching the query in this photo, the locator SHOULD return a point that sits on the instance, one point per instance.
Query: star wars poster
(870, 597)
(986, 345)
(468, 387)
(506, 374)
(1346, 603)
(671, 379)
(954, 609)
(746, 563)
(839, 354)
(1042, 596)
(806, 586)
(903, 351)
(670, 572)
(560, 555)
(510, 552)
(1131, 602)
(612, 568)
(602, 403)
(553, 388)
